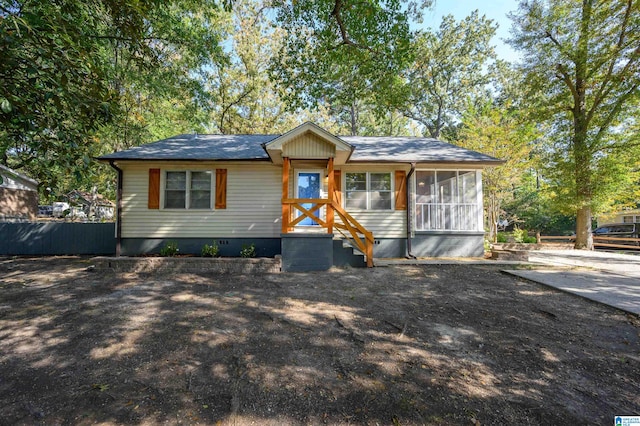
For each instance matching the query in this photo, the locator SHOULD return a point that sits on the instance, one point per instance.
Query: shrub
(170, 249)
(501, 237)
(210, 250)
(519, 235)
(530, 240)
(248, 250)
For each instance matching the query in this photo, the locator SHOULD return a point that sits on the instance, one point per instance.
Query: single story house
(622, 216)
(306, 195)
(18, 196)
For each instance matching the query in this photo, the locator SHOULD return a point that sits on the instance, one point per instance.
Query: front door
(309, 185)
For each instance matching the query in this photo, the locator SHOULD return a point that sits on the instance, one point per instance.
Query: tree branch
(336, 13)
(566, 78)
(613, 112)
(600, 95)
(558, 45)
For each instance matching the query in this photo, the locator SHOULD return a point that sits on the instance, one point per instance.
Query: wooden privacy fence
(608, 242)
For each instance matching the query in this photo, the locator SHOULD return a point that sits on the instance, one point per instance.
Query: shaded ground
(443, 345)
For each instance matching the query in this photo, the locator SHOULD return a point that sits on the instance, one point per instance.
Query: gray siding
(448, 244)
(228, 247)
(307, 252)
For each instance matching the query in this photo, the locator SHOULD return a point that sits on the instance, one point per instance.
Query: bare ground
(446, 345)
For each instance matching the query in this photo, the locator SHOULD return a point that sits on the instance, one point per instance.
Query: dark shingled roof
(249, 147)
(199, 147)
(410, 149)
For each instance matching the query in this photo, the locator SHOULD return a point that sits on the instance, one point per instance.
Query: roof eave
(109, 159)
(483, 163)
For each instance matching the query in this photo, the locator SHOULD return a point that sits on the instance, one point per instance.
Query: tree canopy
(450, 67)
(342, 53)
(70, 68)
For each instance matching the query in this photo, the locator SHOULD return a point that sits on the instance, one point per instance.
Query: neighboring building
(293, 194)
(93, 205)
(18, 196)
(623, 216)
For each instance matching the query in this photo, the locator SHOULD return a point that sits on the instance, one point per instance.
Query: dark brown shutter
(401, 190)
(337, 183)
(154, 189)
(221, 188)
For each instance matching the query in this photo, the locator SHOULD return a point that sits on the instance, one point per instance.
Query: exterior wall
(431, 245)
(619, 217)
(253, 204)
(21, 204)
(383, 223)
(390, 247)
(307, 252)
(253, 215)
(448, 244)
(228, 247)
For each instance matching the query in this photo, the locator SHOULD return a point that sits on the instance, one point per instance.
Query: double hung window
(447, 200)
(188, 190)
(368, 191)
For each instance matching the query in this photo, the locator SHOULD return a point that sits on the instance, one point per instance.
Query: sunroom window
(365, 190)
(187, 189)
(446, 200)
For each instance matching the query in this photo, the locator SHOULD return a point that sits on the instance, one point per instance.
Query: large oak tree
(582, 65)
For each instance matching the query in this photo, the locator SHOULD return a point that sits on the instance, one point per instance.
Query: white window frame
(368, 191)
(163, 189)
(439, 208)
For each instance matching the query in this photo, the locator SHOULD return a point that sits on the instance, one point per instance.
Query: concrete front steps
(345, 254)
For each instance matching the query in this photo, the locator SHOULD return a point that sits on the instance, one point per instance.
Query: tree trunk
(492, 217)
(584, 239)
(582, 154)
(354, 119)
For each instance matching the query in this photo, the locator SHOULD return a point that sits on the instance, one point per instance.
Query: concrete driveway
(609, 278)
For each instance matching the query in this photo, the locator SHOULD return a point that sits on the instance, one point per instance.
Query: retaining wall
(189, 264)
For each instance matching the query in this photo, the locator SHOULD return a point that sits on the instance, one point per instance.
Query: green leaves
(5, 105)
(336, 51)
(583, 69)
(450, 67)
(79, 78)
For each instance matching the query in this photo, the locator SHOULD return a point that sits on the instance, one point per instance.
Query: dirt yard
(435, 345)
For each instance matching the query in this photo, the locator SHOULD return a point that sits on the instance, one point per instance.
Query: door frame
(321, 172)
